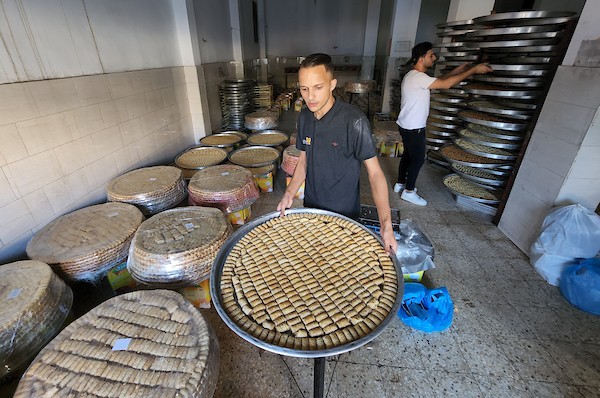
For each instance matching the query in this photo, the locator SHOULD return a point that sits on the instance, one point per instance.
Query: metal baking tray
(460, 56)
(274, 152)
(510, 43)
(449, 45)
(548, 49)
(497, 133)
(511, 81)
(511, 30)
(276, 136)
(454, 92)
(215, 291)
(508, 156)
(526, 18)
(487, 201)
(444, 116)
(486, 182)
(513, 67)
(434, 157)
(454, 32)
(502, 125)
(439, 106)
(432, 147)
(443, 124)
(503, 92)
(437, 141)
(509, 145)
(501, 58)
(446, 99)
(439, 132)
(497, 165)
(506, 112)
(454, 24)
(517, 104)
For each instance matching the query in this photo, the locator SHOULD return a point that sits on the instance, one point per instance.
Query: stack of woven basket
(151, 189)
(227, 187)
(290, 159)
(177, 247)
(196, 158)
(142, 344)
(36, 305)
(85, 244)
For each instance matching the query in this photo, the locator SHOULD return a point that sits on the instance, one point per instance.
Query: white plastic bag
(567, 233)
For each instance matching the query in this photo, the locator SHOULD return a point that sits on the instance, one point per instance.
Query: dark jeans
(413, 156)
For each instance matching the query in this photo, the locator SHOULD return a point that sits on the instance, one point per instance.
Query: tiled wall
(62, 140)
(562, 161)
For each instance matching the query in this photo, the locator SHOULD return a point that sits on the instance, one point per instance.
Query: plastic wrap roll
(261, 120)
(360, 87)
(151, 189)
(227, 187)
(85, 244)
(143, 344)
(290, 159)
(177, 247)
(35, 305)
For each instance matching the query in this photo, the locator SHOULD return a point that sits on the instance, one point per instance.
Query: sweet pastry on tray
(143, 344)
(308, 281)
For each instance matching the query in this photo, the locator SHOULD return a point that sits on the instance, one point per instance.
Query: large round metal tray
(440, 132)
(267, 138)
(454, 24)
(481, 139)
(489, 107)
(449, 44)
(454, 32)
(513, 67)
(511, 81)
(271, 153)
(502, 125)
(547, 49)
(484, 151)
(499, 91)
(439, 106)
(434, 157)
(526, 18)
(501, 58)
(480, 180)
(443, 124)
(454, 92)
(487, 201)
(509, 43)
(444, 116)
(460, 56)
(446, 99)
(511, 30)
(530, 106)
(432, 147)
(495, 133)
(484, 162)
(221, 140)
(437, 141)
(215, 291)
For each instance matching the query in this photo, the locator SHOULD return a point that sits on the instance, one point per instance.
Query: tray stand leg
(319, 378)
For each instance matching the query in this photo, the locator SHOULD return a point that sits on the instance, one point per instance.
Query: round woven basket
(143, 344)
(36, 305)
(151, 189)
(197, 158)
(229, 188)
(222, 140)
(85, 244)
(290, 159)
(261, 120)
(177, 247)
(254, 156)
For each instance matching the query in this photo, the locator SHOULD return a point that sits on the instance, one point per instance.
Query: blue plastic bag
(428, 310)
(580, 285)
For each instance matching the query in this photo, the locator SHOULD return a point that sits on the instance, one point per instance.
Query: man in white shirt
(414, 110)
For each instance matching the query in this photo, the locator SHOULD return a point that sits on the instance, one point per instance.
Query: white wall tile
(120, 84)
(132, 130)
(153, 121)
(76, 154)
(92, 89)
(154, 100)
(587, 163)
(551, 153)
(539, 181)
(84, 121)
(16, 103)
(67, 190)
(39, 206)
(100, 172)
(571, 85)
(566, 122)
(141, 80)
(145, 147)
(107, 141)
(191, 74)
(12, 147)
(178, 75)
(53, 96)
(34, 172)
(110, 113)
(44, 133)
(592, 138)
(126, 158)
(16, 220)
(7, 194)
(585, 191)
(131, 107)
(168, 96)
(161, 78)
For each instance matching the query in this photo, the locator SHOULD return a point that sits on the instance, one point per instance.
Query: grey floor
(513, 335)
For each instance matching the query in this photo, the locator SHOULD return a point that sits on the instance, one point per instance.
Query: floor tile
(503, 387)
(580, 362)
(406, 383)
(358, 380)
(555, 390)
(449, 384)
(441, 351)
(485, 356)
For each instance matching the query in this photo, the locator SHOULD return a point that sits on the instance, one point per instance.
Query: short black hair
(420, 50)
(317, 59)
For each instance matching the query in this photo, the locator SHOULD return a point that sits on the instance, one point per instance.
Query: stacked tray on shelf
(36, 303)
(443, 121)
(151, 189)
(237, 100)
(85, 244)
(261, 120)
(196, 158)
(150, 343)
(230, 188)
(176, 248)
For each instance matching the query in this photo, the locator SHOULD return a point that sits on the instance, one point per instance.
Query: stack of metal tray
(489, 122)
(237, 100)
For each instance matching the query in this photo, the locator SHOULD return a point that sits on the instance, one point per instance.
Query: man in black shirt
(334, 139)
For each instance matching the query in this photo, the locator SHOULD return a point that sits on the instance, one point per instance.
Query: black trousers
(413, 156)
